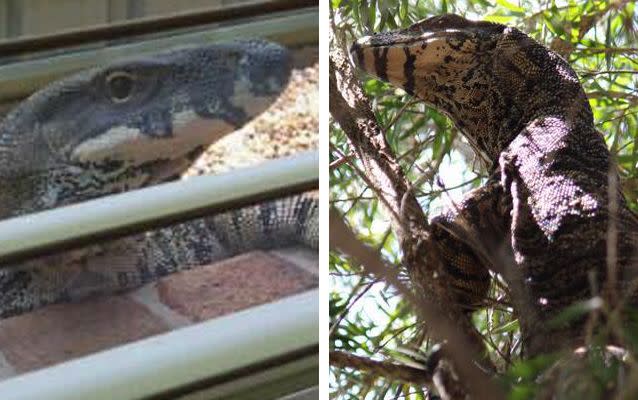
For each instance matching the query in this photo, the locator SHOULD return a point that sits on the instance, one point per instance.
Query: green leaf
(499, 19)
(512, 7)
(554, 24)
(508, 327)
(372, 14)
(528, 370)
(403, 10)
(522, 392)
(356, 16)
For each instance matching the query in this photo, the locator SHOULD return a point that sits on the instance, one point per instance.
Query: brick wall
(65, 331)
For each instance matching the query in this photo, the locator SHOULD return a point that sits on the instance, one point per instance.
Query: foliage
(599, 40)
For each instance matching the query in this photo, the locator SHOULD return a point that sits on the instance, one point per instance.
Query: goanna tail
(130, 262)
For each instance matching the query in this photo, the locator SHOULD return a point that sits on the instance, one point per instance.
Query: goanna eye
(119, 86)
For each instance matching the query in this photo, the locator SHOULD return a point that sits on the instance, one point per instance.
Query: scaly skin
(76, 139)
(542, 218)
(128, 125)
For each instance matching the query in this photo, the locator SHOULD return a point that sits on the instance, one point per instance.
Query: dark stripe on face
(156, 124)
(408, 70)
(381, 62)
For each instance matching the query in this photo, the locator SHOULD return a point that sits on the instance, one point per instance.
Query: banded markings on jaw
(407, 61)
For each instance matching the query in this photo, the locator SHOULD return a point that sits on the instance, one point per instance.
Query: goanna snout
(265, 66)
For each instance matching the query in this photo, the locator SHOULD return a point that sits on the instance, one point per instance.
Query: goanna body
(544, 217)
(131, 124)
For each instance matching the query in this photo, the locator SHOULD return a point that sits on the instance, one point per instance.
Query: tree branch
(385, 369)
(434, 305)
(460, 348)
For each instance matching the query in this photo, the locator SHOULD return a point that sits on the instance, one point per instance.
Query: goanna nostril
(280, 68)
(268, 72)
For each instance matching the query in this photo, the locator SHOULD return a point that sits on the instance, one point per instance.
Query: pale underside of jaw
(130, 145)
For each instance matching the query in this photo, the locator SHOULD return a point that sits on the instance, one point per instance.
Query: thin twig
(460, 349)
(384, 369)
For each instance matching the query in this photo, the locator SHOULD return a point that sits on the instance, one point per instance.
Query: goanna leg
(471, 239)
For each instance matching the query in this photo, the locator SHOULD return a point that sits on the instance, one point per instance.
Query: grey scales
(131, 124)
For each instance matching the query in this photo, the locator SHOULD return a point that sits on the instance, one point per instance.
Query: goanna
(543, 218)
(131, 124)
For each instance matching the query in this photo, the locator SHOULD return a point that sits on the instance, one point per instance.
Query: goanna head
(132, 122)
(490, 79)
